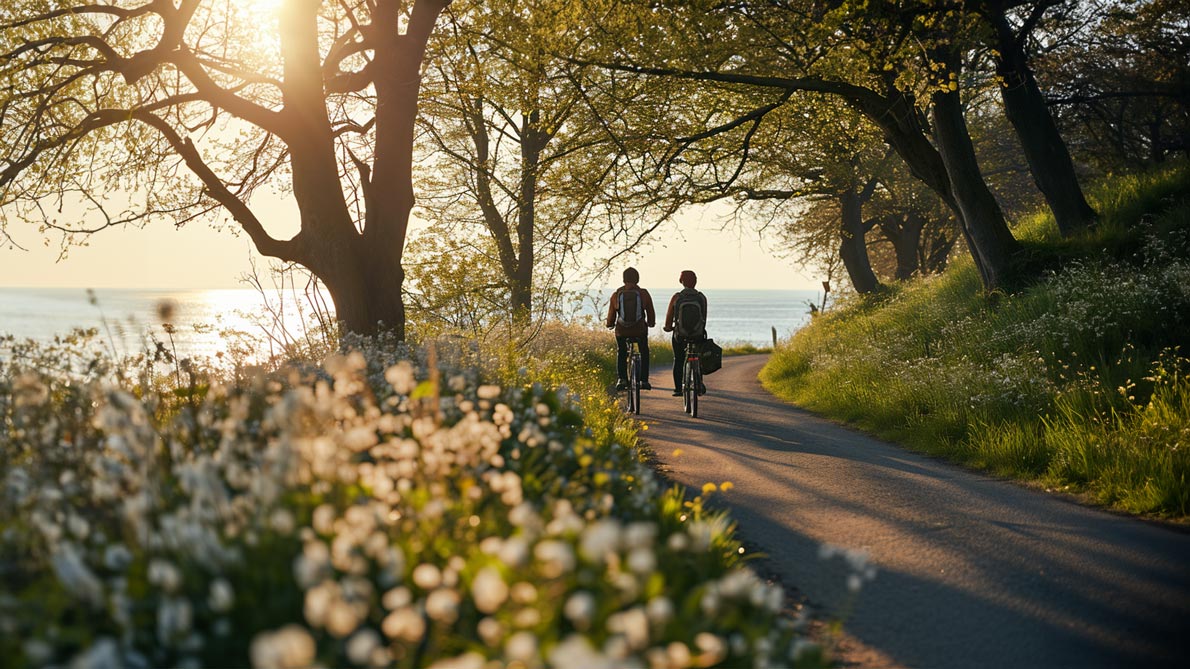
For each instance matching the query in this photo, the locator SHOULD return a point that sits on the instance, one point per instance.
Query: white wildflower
(642, 561)
(75, 575)
(580, 610)
(397, 598)
(491, 631)
(712, 649)
(427, 576)
(221, 597)
(443, 605)
(660, 610)
(576, 651)
(103, 654)
(117, 557)
(400, 377)
(599, 540)
(633, 624)
(679, 655)
(470, 660)
(489, 590)
(521, 647)
(362, 645)
(404, 624)
(290, 647)
(556, 558)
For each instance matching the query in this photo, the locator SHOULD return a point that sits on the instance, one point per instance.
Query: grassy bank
(1078, 380)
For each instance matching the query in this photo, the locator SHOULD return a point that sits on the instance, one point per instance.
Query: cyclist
(631, 314)
(686, 318)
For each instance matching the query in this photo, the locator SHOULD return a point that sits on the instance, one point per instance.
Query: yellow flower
(678, 452)
(708, 487)
(726, 485)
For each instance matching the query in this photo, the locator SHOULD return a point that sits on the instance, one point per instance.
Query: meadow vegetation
(448, 505)
(1078, 380)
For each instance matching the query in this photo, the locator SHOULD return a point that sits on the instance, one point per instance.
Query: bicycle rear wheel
(634, 385)
(696, 383)
(689, 390)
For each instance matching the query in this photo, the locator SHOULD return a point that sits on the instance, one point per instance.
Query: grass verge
(1078, 380)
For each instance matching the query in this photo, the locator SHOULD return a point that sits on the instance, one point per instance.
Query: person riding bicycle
(631, 314)
(686, 318)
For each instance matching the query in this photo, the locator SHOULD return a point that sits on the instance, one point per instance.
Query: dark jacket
(640, 329)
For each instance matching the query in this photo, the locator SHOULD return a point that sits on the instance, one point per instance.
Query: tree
(519, 150)
(1121, 87)
(191, 106)
(879, 59)
(1012, 25)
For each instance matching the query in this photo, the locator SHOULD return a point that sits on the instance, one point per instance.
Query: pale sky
(197, 256)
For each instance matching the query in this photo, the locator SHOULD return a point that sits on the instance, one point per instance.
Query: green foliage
(1077, 380)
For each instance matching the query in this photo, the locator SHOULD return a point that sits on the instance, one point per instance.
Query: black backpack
(690, 321)
(629, 311)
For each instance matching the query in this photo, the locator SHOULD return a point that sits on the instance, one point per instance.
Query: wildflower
(556, 558)
(290, 647)
(103, 654)
(576, 651)
(491, 631)
(443, 605)
(117, 557)
(708, 488)
(400, 377)
(426, 576)
(470, 660)
(362, 645)
(633, 624)
(712, 649)
(489, 590)
(580, 610)
(521, 647)
(642, 561)
(404, 624)
(221, 597)
(660, 610)
(600, 539)
(74, 574)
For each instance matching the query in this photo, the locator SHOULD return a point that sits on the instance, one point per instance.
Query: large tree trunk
(1045, 150)
(853, 248)
(898, 116)
(991, 241)
(903, 231)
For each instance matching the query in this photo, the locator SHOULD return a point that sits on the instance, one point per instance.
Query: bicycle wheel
(696, 383)
(634, 384)
(631, 383)
(689, 390)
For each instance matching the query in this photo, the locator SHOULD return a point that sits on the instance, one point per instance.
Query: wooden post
(774, 327)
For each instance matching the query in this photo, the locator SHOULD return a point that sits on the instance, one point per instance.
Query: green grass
(1076, 379)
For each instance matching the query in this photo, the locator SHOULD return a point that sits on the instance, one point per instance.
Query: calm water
(125, 317)
(204, 320)
(737, 316)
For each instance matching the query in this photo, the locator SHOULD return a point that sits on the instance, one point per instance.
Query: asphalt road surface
(970, 571)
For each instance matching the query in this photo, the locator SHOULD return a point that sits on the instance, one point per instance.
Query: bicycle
(634, 374)
(692, 385)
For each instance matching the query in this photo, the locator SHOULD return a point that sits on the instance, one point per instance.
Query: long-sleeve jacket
(640, 329)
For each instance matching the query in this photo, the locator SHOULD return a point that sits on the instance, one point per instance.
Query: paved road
(971, 571)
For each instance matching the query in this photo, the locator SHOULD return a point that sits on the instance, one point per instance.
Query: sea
(208, 323)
